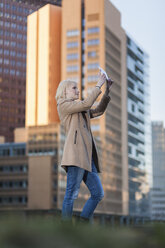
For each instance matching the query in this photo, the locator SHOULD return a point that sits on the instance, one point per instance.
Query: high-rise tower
(92, 35)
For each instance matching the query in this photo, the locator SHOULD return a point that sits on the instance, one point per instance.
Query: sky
(144, 21)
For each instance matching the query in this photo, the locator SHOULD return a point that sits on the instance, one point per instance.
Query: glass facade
(12, 149)
(139, 130)
(13, 34)
(158, 158)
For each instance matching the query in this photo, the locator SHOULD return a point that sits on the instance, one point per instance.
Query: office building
(13, 35)
(69, 42)
(90, 35)
(139, 130)
(28, 169)
(158, 157)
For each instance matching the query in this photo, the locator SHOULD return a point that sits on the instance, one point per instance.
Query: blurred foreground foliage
(19, 231)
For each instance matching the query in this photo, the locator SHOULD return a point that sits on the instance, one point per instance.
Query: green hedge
(19, 231)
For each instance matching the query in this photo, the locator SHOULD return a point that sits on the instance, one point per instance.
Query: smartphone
(103, 72)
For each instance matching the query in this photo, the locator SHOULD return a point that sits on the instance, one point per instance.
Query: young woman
(80, 156)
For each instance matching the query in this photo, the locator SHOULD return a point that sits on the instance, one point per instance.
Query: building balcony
(136, 136)
(140, 147)
(139, 65)
(138, 126)
(141, 106)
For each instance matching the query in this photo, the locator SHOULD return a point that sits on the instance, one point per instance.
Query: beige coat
(79, 144)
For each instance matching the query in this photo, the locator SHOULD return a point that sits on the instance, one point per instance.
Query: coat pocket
(75, 137)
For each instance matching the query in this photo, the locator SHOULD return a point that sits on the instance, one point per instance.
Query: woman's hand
(101, 80)
(109, 83)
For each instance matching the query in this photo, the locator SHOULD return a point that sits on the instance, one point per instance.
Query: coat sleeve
(79, 106)
(101, 107)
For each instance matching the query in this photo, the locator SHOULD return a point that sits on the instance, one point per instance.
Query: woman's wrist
(98, 86)
(107, 90)
(107, 93)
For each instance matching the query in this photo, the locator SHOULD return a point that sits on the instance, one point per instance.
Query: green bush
(20, 231)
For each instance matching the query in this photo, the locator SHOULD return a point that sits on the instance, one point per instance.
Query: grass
(19, 231)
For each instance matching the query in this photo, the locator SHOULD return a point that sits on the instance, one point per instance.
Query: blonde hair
(60, 93)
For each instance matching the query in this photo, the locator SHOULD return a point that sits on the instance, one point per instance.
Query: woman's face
(72, 91)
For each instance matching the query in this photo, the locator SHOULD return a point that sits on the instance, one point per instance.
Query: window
(6, 43)
(7, 15)
(13, 17)
(93, 42)
(7, 33)
(72, 33)
(19, 36)
(19, 54)
(133, 162)
(26, 11)
(72, 68)
(55, 184)
(92, 54)
(83, 57)
(6, 71)
(93, 66)
(20, 27)
(95, 127)
(134, 141)
(12, 53)
(19, 63)
(83, 22)
(55, 198)
(130, 85)
(133, 108)
(12, 62)
(12, 72)
(13, 35)
(128, 41)
(92, 78)
(13, 43)
(83, 34)
(83, 45)
(13, 25)
(6, 61)
(7, 24)
(129, 149)
(18, 73)
(72, 56)
(19, 18)
(20, 9)
(14, 7)
(93, 30)
(20, 45)
(55, 167)
(72, 44)
(62, 183)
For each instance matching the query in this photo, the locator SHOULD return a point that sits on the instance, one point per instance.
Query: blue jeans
(75, 175)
